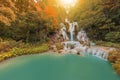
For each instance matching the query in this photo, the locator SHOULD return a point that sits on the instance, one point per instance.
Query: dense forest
(27, 21)
(100, 18)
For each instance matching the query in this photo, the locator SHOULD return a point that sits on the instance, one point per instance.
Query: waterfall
(75, 47)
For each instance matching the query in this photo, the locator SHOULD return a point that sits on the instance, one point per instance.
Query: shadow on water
(57, 67)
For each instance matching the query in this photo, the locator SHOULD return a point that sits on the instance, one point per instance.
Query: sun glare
(68, 3)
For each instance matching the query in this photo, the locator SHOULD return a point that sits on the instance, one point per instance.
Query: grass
(10, 48)
(108, 44)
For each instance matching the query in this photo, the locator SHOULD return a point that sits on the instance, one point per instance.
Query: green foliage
(25, 20)
(59, 46)
(7, 12)
(113, 36)
(114, 57)
(32, 50)
(99, 18)
(23, 51)
(108, 44)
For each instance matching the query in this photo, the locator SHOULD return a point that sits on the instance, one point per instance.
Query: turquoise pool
(57, 67)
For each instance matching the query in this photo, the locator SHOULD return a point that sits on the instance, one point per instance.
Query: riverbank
(10, 49)
(114, 54)
(108, 44)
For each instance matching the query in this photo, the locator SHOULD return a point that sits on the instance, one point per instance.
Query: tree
(7, 12)
(98, 18)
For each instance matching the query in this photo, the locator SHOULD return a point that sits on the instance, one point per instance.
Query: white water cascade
(71, 30)
(75, 47)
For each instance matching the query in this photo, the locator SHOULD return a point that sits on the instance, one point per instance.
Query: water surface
(52, 67)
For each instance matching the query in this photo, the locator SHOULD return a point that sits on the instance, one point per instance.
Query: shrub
(108, 44)
(59, 46)
(23, 51)
(4, 47)
(114, 57)
(113, 36)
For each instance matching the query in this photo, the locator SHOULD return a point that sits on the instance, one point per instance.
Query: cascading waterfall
(77, 47)
(71, 30)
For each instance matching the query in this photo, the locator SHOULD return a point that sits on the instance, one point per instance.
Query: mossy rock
(59, 46)
(71, 46)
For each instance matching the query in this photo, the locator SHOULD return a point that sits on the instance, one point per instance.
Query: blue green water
(52, 67)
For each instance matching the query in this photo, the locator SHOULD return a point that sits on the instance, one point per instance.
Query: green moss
(23, 51)
(59, 46)
(108, 44)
